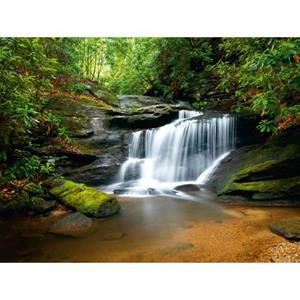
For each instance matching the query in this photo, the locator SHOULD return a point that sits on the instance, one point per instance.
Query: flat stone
(288, 228)
(145, 117)
(74, 225)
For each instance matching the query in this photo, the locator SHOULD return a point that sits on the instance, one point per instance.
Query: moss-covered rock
(264, 172)
(84, 199)
(105, 96)
(269, 188)
(72, 114)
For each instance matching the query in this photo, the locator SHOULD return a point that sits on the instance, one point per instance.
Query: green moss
(270, 152)
(65, 107)
(252, 169)
(76, 123)
(89, 102)
(278, 186)
(105, 96)
(86, 148)
(86, 200)
(263, 159)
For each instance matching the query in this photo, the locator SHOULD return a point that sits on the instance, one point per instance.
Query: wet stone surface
(289, 229)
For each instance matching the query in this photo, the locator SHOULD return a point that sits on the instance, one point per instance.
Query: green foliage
(266, 126)
(28, 166)
(48, 167)
(264, 73)
(25, 166)
(55, 127)
(77, 87)
(53, 120)
(25, 73)
(63, 133)
(92, 57)
(33, 188)
(169, 67)
(65, 52)
(199, 105)
(131, 65)
(181, 64)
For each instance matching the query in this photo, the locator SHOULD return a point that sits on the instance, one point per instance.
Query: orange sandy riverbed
(157, 230)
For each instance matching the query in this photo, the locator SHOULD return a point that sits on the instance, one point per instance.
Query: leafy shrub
(265, 75)
(267, 126)
(28, 166)
(77, 87)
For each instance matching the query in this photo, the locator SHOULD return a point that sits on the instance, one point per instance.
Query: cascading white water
(177, 152)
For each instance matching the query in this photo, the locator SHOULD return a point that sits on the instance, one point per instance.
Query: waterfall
(177, 152)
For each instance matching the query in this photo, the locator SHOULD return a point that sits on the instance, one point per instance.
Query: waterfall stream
(185, 150)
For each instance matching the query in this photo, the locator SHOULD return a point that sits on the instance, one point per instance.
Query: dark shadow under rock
(188, 188)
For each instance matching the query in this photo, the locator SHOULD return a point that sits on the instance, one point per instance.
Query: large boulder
(146, 117)
(134, 102)
(76, 115)
(100, 172)
(265, 172)
(87, 200)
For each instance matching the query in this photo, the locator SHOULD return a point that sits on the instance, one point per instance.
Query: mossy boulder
(269, 171)
(264, 189)
(84, 199)
(73, 115)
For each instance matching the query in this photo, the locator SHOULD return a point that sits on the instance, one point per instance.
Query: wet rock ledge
(262, 173)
